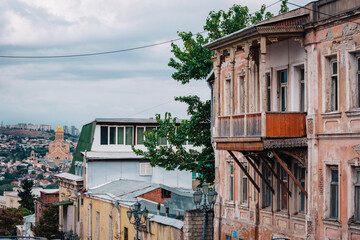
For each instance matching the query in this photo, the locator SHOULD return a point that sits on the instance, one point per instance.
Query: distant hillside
(25, 133)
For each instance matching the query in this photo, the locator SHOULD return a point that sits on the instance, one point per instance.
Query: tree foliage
(177, 154)
(26, 197)
(49, 223)
(9, 218)
(192, 61)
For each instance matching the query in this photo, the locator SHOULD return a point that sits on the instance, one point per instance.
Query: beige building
(59, 149)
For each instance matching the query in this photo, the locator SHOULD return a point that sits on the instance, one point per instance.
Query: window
(282, 194)
(140, 137)
(126, 233)
(230, 168)
(334, 193)
(299, 172)
(104, 135)
(283, 80)
(165, 193)
(244, 186)
(227, 97)
(145, 169)
(242, 94)
(121, 135)
(265, 190)
(357, 197)
(302, 90)
(334, 87)
(97, 226)
(116, 135)
(112, 135)
(129, 135)
(268, 92)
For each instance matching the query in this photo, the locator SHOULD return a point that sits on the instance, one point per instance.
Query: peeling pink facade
(286, 126)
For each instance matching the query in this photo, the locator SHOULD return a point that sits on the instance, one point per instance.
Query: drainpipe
(116, 203)
(167, 211)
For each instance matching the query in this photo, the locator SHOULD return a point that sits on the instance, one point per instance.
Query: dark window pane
(302, 74)
(334, 176)
(283, 98)
(104, 135)
(358, 64)
(268, 99)
(334, 66)
(232, 188)
(140, 135)
(129, 135)
(120, 135)
(268, 80)
(334, 201)
(302, 97)
(358, 177)
(302, 200)
(283, 76)
(245, 190)
(334, 94)
(112, 135)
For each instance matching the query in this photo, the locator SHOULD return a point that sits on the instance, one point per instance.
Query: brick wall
(193, 225)
(155, 196)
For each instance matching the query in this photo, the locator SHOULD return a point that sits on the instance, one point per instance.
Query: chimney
(177, 214)
(158, 209)
(167, 211)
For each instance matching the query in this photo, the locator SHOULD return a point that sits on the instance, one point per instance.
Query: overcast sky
(74, 91)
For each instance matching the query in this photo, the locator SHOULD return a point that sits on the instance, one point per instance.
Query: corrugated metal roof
(166, 221)
(129, 120)
(111, 155)
(69, 176)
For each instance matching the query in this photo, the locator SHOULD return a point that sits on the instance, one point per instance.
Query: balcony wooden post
(217, 83)
(232, 89)
(263, 85)
(246, 84)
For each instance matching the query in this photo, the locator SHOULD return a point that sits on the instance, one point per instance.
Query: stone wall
(193, 225)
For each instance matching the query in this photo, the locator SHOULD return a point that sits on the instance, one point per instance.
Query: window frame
(334, 93)
(244, 181)
(268, 91)
(283, 107)
(356, 197)
(116, 136)
(331, 183)
(357, 104)
(302, 89)
(230, 181)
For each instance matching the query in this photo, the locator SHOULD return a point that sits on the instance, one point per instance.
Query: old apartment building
(286, 125)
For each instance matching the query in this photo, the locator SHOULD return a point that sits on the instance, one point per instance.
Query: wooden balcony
(246, 128)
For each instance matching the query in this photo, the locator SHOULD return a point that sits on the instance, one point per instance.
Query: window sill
(354, 226)
(300, 216)
(282, 213)
(333, 222)
(230, 204)
(353, 112)
(266, 210)
(244, 206)
(331, 115)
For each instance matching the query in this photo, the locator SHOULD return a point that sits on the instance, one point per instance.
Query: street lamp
(135, 215)
(204, 201)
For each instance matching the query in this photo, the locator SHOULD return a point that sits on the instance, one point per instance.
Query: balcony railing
(278, 124)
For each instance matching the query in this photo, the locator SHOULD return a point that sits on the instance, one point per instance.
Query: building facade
(286, 125)
(47, 197)
(59, 149)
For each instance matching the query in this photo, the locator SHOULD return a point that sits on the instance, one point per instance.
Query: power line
(107, 52)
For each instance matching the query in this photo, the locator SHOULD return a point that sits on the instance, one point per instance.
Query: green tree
(193, 62)
(49, 223)
(5, 187)
(26, 197)
(9, 218)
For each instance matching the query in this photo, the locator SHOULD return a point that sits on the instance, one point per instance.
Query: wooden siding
(278, 125)
(285, 124)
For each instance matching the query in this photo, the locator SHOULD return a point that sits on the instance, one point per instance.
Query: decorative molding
(285, 143)
(357, 148)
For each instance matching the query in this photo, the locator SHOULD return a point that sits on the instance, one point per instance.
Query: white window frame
(145, 169)
(281, 86)
(230, 188)
(268, 91)
(244, 201)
